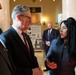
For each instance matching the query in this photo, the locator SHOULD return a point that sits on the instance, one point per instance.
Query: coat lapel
(60, 49)
(19, 40)
(5, 57)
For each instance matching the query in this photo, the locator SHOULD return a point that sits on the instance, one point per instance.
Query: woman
(61, 57)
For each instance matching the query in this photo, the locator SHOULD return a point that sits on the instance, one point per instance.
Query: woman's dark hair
(71, 35)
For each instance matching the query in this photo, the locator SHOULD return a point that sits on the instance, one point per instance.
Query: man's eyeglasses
(27, 17)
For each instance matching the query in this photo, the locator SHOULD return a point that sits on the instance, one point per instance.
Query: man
(6, 67)
(48, 35)
(1, 31)
(22, 52)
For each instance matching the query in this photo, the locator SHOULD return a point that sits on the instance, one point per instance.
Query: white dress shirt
(19, 32)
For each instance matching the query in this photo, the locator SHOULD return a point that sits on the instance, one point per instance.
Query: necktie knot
(24, 37)
(23, 33)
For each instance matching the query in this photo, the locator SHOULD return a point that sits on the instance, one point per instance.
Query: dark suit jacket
(54, 34)
(5, 65)
(1, 31)
(55, 53)
(18, 51)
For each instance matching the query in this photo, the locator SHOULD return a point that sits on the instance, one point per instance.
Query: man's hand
(47, 43)
(37, 71)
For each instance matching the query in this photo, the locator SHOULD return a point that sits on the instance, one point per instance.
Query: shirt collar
(50, 29)
(17, 30)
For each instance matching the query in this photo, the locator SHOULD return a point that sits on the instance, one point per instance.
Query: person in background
(1, 31)
(19, 44)
(61, 57)
(6, 67)
(48, 35)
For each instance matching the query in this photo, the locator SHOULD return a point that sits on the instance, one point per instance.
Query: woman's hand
(51, 65)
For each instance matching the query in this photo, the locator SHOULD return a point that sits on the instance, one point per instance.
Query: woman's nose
(61, 30)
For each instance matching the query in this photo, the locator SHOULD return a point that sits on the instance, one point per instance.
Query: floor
(40, 57)
(40, 54)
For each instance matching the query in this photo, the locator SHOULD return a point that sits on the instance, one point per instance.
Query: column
(68, 9)
(4, 15)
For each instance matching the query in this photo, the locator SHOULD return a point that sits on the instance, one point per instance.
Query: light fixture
(14, 0)
(53, 0)
(44, 21)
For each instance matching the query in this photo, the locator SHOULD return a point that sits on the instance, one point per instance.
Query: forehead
(49, 24)
(63, 25)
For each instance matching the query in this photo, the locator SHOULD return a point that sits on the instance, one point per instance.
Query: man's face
(49, 25)
(25, 21)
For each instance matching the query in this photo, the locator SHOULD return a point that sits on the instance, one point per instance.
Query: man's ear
(19, 17)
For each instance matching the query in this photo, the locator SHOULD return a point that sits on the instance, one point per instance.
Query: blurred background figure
(6, 67)
(48, 35)
(1, 31)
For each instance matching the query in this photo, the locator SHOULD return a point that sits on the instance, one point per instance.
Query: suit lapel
(17, 37)
(19, 40)
(5, 57)
(60, 49)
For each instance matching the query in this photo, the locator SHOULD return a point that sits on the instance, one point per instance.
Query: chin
(62, 37)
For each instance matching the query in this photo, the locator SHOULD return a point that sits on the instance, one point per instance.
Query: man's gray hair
(19, 9)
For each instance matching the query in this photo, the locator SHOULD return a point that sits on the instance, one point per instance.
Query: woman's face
(63, 31)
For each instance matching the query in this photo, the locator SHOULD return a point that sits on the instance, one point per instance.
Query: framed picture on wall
(35, 15)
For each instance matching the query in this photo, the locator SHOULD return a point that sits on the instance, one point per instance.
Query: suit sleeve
(49, 55)
(26, 71)
(43, 37)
